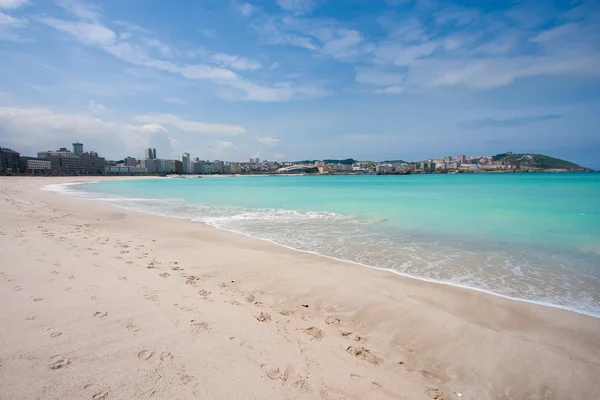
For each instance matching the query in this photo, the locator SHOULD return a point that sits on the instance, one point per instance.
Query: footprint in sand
(351, 335)
(100, 314)
(203, 293)
(435, 393)
(132, 327)
(315, 332)
(145, 354)
(274, 373)
(198, 326)
(332, 321)
(38, 299)
(364, 354)
(58, 362)
(55, 334)
(151, 296)
(18, 288)
(165, 355)
(100, 396)
(263, 317)
(164, 275)
(54, 272)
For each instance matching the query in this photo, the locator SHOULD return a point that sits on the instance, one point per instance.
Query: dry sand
(102, 303)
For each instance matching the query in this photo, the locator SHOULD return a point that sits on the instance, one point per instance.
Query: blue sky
(296, 79)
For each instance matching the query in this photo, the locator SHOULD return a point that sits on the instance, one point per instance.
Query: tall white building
(186, 160)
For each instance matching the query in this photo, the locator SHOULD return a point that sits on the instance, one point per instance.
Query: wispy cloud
(175, 100)
(81, 9)
(12, 4)
(189, 125)
(224, 144)
(32, 129)
(96, 108)
(235, 62)
(268, 140)
(298, 6)
(246, 8)
(506, 122)
(137, 53)
(9, 25)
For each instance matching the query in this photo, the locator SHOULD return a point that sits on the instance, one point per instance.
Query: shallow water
(533, 237)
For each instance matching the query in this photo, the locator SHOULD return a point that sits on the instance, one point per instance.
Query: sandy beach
(103, 303)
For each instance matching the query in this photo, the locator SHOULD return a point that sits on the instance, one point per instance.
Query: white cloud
(163, 49)
(273, 66)
(131, 27)
(374, 76)
(346, 44)
(391, 90)
(278, 156)
(174, 142)
(554, 33)
(153, 128)
(11, 4)
(224, 144)
(401, 55)
(96, 34)
(8, 21)
(246, 8)
(191, 126)
(235, 62)
(88, 33)
(8, 25)
(35, 129)
(268, 140)
(298, 6)
(175, 100)
(96, 108)
(81, 9)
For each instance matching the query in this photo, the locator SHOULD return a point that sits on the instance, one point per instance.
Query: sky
(302, 79)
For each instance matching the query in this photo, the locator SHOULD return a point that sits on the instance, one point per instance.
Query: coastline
(337, 259)
(448, 338)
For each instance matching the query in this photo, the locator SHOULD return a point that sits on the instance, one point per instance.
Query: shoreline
(404, 275)
(106, 300)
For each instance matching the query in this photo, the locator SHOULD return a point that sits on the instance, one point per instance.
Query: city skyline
(293, 80)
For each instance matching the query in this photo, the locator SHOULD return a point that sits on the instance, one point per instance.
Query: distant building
(217, 167)
(77, 148)
(9, 160)
(382, 169)
(130, 162)
(447, 158)
(186, 163)
(462, 159)
(150, 154)
(342, 167)
(151, 165)
(63, 161)
(109, 170)
(33, 165)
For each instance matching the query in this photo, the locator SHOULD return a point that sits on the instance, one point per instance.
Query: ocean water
(532, 237)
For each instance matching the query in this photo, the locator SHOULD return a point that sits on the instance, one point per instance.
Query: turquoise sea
(533, 237)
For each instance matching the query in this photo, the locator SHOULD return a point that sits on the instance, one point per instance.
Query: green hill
(538, 161)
